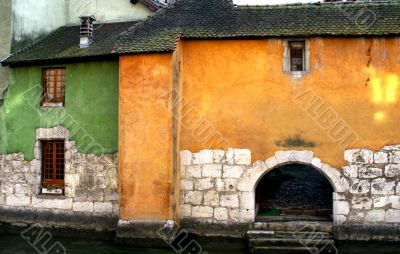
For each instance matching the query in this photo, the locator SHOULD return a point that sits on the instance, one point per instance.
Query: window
(297, 55)
(53, 80)
(53, 164)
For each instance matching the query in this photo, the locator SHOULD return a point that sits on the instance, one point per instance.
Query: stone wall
(373, 197)
(210, 186)
(218, 186)
(91, 182)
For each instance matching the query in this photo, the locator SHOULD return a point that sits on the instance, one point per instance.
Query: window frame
(54, 183)
(287, 68)
(57, 102)
(303, 54)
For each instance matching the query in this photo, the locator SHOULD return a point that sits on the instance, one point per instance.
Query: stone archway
(249, 180)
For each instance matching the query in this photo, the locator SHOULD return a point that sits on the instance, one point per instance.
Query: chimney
(86, 33)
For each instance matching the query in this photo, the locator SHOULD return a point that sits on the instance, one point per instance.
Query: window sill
(52, 105)
(297, 74)
(48, 196)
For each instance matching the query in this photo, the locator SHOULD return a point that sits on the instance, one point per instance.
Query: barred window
(53, 80)
(297, 55)
(53, 163)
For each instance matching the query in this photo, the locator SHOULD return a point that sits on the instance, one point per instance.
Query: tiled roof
(222, 19)
(63, 43)
(214, 19)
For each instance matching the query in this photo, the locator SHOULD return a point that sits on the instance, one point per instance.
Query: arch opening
(294, 190)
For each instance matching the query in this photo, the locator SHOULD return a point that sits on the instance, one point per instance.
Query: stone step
(254, 234)
(265, 242)
(284, 250)
(295, 226)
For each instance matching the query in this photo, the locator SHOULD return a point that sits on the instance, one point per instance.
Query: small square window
(53, 165)
(297, 55)
(53, 80)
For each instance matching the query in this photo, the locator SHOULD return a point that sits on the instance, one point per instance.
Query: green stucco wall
(90, 112)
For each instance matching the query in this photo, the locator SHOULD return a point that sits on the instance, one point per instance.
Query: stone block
(339, 219)
(359, 156)
(341, 207)
(392, 170)
(338, 196)
(17, 200)
(393, 216)
(381, 158)
(359, 186)
(193, 197)
(116, 209)
(369, 172)
(83, 207)
(211, 198)
(232, 171)
(203, 157)
(394, 156)
(395, 201)
(271, 162)
(302, 156)
(226, 184)
(186, 158)
(382, 187)
(103, 207)
(202, 212)
(242, 156)
(186, 185)
(60, 204)
(381, 202)
(2, 199)
(193, 172)
(246, 200)
(350, 171)
(111, 196)
(229, 156)
(219, 156)
(211, 170)
(391, 148)
(398, 189)
(242, 216)
(375, 216)
(316, 162)
(186, 211)
(203, 184)
(221, 214)
(361, 203)
(229, 200)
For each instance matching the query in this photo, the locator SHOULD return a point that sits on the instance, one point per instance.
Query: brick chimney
(86, 32)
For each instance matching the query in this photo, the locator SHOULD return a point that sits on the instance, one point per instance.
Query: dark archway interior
(294, 190)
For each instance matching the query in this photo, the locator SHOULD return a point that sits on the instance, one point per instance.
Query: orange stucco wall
(239, 90)
(234, 93)
(145, 137)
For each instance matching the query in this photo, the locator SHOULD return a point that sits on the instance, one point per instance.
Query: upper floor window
(53, 80)
(297, 55)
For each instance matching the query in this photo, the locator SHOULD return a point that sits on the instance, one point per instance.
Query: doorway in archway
(294, 191)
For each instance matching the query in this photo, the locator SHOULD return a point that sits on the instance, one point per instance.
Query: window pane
(297, 55)
(53, 85)
(53, 163)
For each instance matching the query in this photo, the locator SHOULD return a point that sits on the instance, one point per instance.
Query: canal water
(15, 244)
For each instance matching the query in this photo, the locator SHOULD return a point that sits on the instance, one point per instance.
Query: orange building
(214, 97)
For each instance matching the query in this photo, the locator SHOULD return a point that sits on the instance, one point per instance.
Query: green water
(14, 244)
